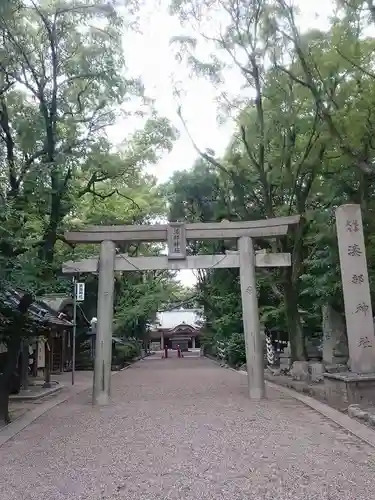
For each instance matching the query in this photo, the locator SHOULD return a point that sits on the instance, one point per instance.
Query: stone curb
(36, 397)
(353, 426)
(9, 431)
(356, 428)
(303, 387)
(355, 411)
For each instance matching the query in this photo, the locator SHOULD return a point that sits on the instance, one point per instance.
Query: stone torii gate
(176, 235)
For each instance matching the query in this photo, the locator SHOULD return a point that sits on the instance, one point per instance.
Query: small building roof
(168, 320)
(56, 301)
(38, 311)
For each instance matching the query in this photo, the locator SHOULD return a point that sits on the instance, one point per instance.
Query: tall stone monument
(358, 310)
(359, 384)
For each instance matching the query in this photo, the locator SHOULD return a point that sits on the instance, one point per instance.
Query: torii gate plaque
(176, 235)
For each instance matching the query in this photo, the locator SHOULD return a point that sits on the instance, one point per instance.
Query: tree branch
(210, 159)
(355, 65)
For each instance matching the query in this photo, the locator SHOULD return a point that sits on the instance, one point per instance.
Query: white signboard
(80, 292)
(41, 361)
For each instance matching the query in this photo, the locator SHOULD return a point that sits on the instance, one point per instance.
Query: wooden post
(103, 347)
(25, 364)
(74, 333)
(161, 341)
(63, 354)
(48, 360)
(250, 317)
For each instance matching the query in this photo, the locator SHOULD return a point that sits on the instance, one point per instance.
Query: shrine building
(176, 327)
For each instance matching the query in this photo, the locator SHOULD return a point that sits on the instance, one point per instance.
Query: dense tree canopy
(303, 143)
(63, 83)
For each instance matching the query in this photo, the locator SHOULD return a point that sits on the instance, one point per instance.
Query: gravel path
(184, 429)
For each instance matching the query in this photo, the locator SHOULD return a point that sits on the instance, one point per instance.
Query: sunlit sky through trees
(150, 55)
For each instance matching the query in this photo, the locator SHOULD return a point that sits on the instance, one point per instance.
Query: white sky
(150, 56)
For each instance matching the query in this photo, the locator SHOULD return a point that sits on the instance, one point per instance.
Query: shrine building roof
(168, 320)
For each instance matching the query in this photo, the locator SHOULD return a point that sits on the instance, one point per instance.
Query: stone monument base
(344, 389)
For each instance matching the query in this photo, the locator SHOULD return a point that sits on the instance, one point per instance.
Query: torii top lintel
(197, 231)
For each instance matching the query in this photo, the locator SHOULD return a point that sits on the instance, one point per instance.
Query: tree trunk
(47, 369)
(47, 250)
(296, 334)
(4, 400)
(13, 347)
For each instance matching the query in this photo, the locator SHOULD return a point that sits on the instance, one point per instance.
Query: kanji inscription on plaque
(362, 308)
(354, 250)
(357, 279)
(364, 342)
(352, 226)
(176, 240)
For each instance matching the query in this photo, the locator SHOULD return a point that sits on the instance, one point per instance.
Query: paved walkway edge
(356, 428)
(12, 429)
(47, 392)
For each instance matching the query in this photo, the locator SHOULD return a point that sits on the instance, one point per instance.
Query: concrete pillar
(103, 347)
(250, 317)
(161, 341)
(358, 310)
(193, 342)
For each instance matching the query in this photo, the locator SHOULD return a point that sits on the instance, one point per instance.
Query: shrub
(84, 359)
(124, 353)
(236, 352)
(208, 342)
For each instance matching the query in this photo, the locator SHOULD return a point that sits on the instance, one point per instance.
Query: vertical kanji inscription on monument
(358, 310)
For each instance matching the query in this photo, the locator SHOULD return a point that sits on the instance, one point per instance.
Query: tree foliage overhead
(302, 104)
(303, 143)
(63, 82)
(63, 85)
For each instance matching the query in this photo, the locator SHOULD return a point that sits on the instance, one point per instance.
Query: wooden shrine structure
(176, 235)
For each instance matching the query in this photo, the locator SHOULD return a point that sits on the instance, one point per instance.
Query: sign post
(80, 292)
(78, 295)
(74, 328)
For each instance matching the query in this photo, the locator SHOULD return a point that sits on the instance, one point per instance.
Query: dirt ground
(185, 429)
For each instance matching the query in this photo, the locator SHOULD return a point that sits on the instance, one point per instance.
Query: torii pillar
(103, 345)
(250, 318)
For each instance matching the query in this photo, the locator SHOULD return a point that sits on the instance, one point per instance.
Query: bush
(208, 342)
(124, 353)
(236, 351)
(84, 360)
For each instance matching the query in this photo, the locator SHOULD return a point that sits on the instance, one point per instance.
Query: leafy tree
(62, 84)
(140, 297)
(271, 163)
(303, 141)
(64, 65)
